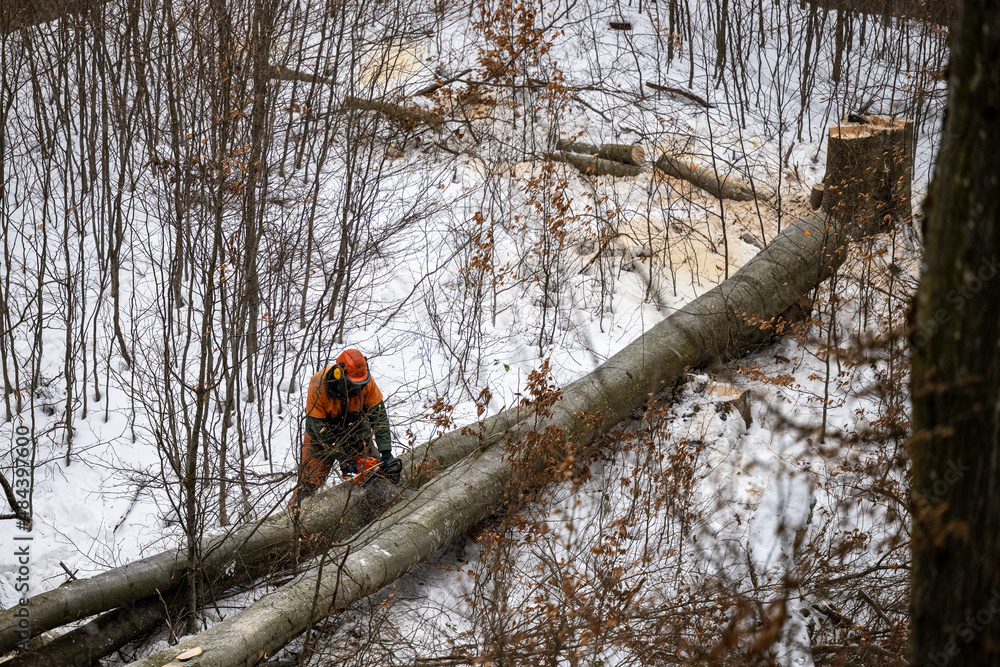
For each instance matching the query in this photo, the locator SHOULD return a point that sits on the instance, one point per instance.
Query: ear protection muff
(336, 382)
(340, 385)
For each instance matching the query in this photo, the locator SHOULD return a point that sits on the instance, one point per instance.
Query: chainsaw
(368, 467)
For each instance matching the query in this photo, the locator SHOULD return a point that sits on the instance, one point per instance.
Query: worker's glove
(391, 467)
(348, 467)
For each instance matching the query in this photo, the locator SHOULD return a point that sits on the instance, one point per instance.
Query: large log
(726, 321)
(327, 516)
(725, 187)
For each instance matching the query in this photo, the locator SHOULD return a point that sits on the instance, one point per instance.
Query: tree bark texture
(726, 321)
(955, 384)
(724, 187)
(625, 153)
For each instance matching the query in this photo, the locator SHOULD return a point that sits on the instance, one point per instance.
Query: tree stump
(869, 172)
(816, 196)
(729, 399)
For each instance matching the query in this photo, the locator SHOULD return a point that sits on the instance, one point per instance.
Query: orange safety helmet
(349, 376)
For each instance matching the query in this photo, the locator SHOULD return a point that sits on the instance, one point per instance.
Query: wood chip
(190, 653)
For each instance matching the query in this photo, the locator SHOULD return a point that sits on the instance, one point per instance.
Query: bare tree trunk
(114, 254)
(255, 188)
(956, 368)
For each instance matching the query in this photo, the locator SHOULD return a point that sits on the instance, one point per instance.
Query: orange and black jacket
(343, 422)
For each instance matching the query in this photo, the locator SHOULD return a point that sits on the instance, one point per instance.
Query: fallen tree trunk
(721, 186)
(733, 317)
(408, 116)
(333, 514)
(625, 153)
(590, 165)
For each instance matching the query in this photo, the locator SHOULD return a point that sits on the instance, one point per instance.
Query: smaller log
(625, 153)
(403, 115)
(678, 91)
(620, 25)
(289, 74)
(408, 116)
(725, 187)
(595, 166)
(441, 83)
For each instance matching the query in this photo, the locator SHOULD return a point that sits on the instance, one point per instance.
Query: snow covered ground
(458, 302)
